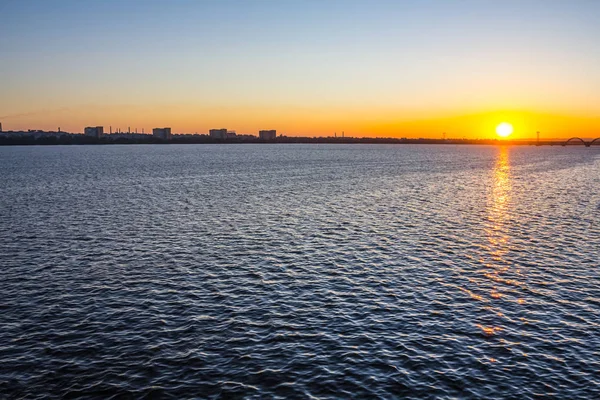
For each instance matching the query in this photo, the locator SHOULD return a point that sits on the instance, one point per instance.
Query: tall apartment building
(267, 135)
(218, 133)
(94, 131)
(162, 133)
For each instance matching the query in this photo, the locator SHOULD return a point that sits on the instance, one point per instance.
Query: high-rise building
(162, 133)
(0, 126)
(218, 133)
(267, 135)
(94, 131)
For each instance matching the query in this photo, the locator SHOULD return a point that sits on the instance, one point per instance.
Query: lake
(297, 271)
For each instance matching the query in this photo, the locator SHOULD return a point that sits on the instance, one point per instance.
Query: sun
(504, 129)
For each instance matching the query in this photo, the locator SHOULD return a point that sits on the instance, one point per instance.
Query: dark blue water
(299, 271)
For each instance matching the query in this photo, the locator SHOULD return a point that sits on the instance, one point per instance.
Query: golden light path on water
(499, 200)
(498, 235)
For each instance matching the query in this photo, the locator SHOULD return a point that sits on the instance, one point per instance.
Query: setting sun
(504, 129)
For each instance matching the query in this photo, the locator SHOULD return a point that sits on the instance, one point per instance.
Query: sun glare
(504, 129)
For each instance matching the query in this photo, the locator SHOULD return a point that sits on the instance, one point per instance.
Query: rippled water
(296, 271)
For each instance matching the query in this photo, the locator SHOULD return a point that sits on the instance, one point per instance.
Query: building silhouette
(218, 133)
(94, 131)
(267, 134)
(162, 133)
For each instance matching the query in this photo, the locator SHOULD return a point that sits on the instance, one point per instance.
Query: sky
(310, 68)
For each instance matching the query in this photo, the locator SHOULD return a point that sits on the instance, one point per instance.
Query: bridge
(578, 139)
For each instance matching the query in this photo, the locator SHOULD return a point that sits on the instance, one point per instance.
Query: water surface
(281, 271)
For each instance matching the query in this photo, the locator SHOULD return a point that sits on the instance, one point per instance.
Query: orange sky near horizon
(305, 121)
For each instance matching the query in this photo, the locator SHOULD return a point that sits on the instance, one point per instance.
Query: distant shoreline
(71, 139)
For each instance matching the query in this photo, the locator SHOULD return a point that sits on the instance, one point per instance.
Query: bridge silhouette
(578, 139)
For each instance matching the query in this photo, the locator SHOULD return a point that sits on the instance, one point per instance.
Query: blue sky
(414, 58)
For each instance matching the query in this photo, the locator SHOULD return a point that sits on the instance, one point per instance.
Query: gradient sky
(311, 67)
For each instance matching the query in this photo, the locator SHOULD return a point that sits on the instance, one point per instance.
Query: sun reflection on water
(497, 232)
(498, 208)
